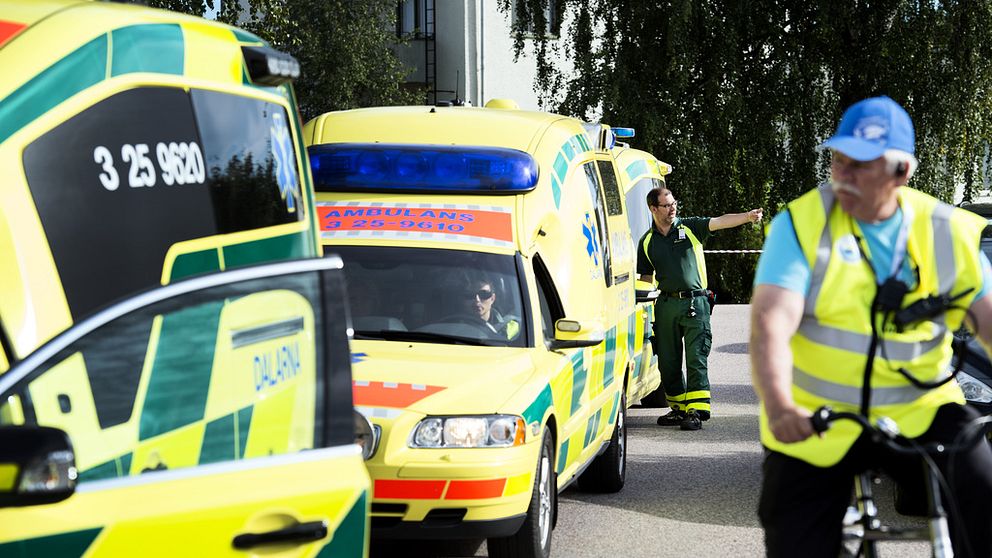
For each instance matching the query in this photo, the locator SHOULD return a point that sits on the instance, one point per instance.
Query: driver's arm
(775, 316)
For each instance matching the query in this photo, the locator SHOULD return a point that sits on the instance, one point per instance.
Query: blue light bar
(624, 132)
(456, 169)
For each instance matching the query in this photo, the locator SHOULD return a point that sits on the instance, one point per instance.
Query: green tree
(343, 46)
(737, 95)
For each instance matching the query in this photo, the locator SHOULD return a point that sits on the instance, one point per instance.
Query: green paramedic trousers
(673, 322)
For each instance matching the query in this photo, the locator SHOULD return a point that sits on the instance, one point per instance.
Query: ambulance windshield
(434, 296)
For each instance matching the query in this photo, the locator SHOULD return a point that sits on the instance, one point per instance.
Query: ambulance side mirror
(571, 334)
(37, 466)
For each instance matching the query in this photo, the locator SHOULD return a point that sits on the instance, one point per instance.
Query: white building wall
(474, 44)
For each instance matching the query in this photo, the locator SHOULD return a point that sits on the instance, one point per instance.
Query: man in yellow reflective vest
(837, 266)
(673, 252)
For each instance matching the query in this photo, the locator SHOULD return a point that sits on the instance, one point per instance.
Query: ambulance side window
(614, 203)
(603, 233)
(119, 184)
(551, 308)
(206, 362)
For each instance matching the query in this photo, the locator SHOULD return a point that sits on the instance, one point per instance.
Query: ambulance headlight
(469, 432)
(974, 390)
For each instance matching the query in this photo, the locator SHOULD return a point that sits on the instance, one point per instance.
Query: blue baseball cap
(871, 127)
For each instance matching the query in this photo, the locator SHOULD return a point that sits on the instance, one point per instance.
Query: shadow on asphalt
(719, 429)
(733, 348)
(687, 493)
(690, 476)
(733, 394)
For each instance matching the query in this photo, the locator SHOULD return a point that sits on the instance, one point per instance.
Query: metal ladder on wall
(430, 52)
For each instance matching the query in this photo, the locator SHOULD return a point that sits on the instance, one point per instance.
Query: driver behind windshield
(480, 298)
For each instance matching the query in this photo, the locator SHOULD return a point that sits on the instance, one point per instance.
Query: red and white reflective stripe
(435, 489)
(8, 29)
(390, 394)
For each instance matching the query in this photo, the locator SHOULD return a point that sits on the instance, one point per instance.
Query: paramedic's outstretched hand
(791, 425)
(755, 215)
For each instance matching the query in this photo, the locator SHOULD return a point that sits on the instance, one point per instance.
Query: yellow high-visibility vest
(830, 348)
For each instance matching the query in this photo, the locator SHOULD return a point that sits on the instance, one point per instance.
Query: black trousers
(802, 506)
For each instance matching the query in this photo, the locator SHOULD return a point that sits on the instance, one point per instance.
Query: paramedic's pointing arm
(735, 219)
(775, 316)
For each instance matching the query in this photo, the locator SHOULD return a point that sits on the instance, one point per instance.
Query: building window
(550, 13)
(415, 18)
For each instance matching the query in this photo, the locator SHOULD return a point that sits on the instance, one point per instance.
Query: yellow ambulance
(490, 269)
(174, 381)
(640, 172)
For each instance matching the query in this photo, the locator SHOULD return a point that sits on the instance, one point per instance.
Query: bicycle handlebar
(887, 432)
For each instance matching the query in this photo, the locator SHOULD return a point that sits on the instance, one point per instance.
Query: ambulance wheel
(533, 540)
(608, 471)
(655, 399)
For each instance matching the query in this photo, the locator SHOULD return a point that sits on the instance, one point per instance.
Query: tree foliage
(343, 46)
(737, 95)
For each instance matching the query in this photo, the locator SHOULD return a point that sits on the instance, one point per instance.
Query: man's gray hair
(893, 158)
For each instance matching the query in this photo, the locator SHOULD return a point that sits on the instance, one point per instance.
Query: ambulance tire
(607, 473)
(655, 399)
(533, 540)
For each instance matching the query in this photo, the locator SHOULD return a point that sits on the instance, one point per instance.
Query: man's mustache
(839, 186)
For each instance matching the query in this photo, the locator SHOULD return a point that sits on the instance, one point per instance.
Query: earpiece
(901, 168)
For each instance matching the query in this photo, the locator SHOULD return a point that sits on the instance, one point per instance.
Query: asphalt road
(687, 493)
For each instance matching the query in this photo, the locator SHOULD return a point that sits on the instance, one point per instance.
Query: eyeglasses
(482, 294)
(667, 205)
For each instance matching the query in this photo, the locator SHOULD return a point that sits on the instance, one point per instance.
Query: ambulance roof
(514, 129)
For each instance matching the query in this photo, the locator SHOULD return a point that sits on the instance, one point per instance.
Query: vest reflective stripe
(851, 395)
(943, 247)
(697, 249)
(822, 252)
(829, 349)
(858, 343)
(645, 244)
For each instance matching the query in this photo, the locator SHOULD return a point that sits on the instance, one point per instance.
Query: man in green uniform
(673, 252)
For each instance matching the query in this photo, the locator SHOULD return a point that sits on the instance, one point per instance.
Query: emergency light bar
(454, 169)
(268, 66)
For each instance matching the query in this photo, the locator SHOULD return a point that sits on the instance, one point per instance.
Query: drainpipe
(482, 53)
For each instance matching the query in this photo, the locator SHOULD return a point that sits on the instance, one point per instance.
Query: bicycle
(865, 529)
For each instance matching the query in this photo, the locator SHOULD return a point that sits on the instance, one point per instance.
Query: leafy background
(735, 94)
(344, 47)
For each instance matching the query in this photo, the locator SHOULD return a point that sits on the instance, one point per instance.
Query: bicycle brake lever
(888, 427)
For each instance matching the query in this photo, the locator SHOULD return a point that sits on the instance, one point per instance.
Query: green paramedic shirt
(672, 259)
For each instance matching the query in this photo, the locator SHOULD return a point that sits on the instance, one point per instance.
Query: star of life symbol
(592, 240)
(282, 153)
(871, 128)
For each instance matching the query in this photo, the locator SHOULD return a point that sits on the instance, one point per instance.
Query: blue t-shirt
(783, 264)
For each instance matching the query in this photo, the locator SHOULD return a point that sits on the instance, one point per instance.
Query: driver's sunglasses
(482, 294)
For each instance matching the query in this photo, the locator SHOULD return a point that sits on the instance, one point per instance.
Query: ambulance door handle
(299, 533)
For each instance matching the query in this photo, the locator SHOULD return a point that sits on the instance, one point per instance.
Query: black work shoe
(673, 418)
(691, 421)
